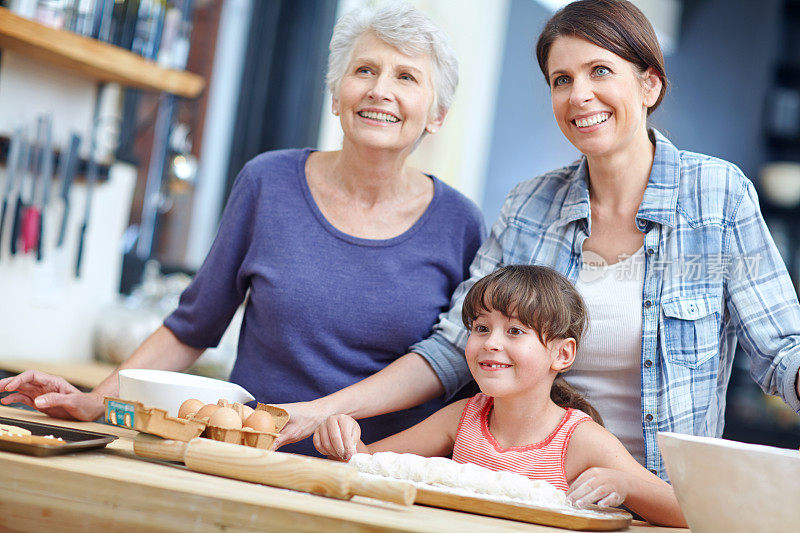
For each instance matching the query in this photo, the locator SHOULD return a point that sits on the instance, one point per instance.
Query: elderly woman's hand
(52, 395)
(304, 418)
(339, 437)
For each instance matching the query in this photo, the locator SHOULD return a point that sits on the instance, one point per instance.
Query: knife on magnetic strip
(91, 178)
(19, 207)
(277, 469)
(32, 217)
(12, 172)
(47, 179)
(67, 169)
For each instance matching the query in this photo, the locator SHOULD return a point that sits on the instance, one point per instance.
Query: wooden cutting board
(599, 519)
(226, 460)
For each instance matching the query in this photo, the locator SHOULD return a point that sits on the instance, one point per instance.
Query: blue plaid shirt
(712, 276)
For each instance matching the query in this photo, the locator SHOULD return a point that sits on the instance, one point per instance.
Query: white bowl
(731, 487)
(780, 182)
(168, 390)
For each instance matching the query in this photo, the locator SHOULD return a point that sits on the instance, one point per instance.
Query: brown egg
(246, 411)
(225, 418)
(189, 407)
(261, 421)
(207, 410)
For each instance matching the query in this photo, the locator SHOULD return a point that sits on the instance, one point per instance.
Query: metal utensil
(19, 207)
(47, 180)
(12, 172)
(91, 179)
(66, 174)
(32, 216)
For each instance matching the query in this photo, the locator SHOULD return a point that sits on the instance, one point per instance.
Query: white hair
(407, 29)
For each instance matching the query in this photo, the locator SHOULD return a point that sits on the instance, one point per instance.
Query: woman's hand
(338, 437)
(52, 395)
(304, 418)
(603, 486)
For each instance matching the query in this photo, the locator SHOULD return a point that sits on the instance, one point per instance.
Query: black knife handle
(15, 228)
(3, 218)
(63, 229)
(80, 251)
(39, 238)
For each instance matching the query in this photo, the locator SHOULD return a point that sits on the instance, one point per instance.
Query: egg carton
(247, 436)
(136, 415)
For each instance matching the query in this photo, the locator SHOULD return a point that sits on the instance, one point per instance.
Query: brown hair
(616, 25)
(543, 300)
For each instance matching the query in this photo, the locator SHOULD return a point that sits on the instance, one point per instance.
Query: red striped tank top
(543, 460)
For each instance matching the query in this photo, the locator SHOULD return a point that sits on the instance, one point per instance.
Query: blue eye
(602, 71)
(560, 80)
(408, 77)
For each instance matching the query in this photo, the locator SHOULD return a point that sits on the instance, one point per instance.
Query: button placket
(650, 312)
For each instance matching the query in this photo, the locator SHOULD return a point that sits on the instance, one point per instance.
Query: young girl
(525, 323)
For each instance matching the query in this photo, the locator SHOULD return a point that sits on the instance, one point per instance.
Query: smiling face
(507, 359)
(386, 98)
(599, 99)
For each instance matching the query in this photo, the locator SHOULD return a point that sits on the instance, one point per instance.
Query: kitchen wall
(719, 76)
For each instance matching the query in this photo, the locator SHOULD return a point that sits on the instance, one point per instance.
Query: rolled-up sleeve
(763, 303)
(444, 349)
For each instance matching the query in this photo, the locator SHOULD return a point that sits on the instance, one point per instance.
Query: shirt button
(654, 471)
(651, 251)
(648, 363)
(647, 304)
(648, 417)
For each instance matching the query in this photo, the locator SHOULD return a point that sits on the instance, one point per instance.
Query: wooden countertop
(87, 374)
(112, 489)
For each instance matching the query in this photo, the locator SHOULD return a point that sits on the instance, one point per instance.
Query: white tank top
(607, 368)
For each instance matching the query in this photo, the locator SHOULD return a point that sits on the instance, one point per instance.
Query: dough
(6, 429)
(440, 472)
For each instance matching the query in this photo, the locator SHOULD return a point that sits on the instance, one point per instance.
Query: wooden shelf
(92, 58)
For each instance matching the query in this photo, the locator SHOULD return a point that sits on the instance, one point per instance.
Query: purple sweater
(325, 309)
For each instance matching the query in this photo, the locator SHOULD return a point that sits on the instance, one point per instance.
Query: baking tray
(76, 439)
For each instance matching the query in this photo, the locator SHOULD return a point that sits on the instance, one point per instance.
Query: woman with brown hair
(667, 247)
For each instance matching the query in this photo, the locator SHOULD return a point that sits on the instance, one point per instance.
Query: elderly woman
(667, 247)
(346, 257)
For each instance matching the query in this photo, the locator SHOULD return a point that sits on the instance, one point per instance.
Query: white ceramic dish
(780, 182)
(730, 487)
(168, 390)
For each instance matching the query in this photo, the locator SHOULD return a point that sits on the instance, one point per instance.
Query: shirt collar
(576, 201)
(660, 198)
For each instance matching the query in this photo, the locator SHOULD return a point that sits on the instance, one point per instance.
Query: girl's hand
(338, 437)
(605, 487)
(52, 395)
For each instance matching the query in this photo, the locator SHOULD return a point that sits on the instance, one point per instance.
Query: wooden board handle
(150, 446)
(286, 470)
